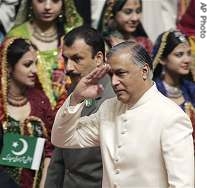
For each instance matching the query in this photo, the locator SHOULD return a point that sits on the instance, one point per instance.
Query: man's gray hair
(138, 53)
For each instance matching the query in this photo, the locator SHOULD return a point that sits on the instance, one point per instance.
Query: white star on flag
(15, 144)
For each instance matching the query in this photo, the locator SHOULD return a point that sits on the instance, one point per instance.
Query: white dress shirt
(147, 146)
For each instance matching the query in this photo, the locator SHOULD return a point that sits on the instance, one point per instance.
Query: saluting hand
(88, 87)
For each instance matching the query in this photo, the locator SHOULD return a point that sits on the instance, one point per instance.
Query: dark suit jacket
(79, 168)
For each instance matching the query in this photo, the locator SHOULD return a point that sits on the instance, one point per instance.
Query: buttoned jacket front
(147, 146)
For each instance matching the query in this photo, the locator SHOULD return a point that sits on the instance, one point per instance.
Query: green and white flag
(22, 151)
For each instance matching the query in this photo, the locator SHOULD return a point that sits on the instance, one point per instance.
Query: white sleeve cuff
(72, 109)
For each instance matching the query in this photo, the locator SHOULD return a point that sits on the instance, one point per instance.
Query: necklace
(17, 103)
(16, 100)
(171, 91)
(44, 36)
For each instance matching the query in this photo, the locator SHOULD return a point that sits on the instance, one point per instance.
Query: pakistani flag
(22, 151)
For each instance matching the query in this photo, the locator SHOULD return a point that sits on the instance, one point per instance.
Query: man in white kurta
(145, 138)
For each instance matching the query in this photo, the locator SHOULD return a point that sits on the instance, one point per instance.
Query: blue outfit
(187, 87)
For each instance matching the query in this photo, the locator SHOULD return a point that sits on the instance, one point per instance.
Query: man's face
(127, 77)
(79, 60)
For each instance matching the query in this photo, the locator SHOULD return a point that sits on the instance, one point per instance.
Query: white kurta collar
(146, 96)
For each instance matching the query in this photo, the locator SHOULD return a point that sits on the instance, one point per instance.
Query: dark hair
(107, 23)
(16, 50)
(91, 37)
(61, 21)
(169, 41)
(138, 52)
(118, 5)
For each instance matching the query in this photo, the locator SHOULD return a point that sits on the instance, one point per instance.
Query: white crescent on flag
(24, 148)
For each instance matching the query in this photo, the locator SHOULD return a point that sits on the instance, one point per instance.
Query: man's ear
(145, 71)
(145, 68)
(99, 57)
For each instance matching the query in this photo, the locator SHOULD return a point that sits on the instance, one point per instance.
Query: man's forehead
(119, 56)
(78, 47)
(78, 43)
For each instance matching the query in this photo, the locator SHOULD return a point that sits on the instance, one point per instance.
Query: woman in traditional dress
(24, 109)
(44, 23)
(120, 21)
(172, 60)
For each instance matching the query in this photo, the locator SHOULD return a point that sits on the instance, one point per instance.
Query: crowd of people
(113, 100)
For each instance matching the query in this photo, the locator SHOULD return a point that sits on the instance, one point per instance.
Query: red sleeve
(40, 107)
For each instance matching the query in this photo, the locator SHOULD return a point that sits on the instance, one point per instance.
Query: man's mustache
(73, 74)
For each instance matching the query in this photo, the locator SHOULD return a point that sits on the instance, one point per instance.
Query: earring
(30, 12)
(60, 17)
(163, 72)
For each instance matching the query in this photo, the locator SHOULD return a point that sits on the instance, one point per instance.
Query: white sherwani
(147, 146)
